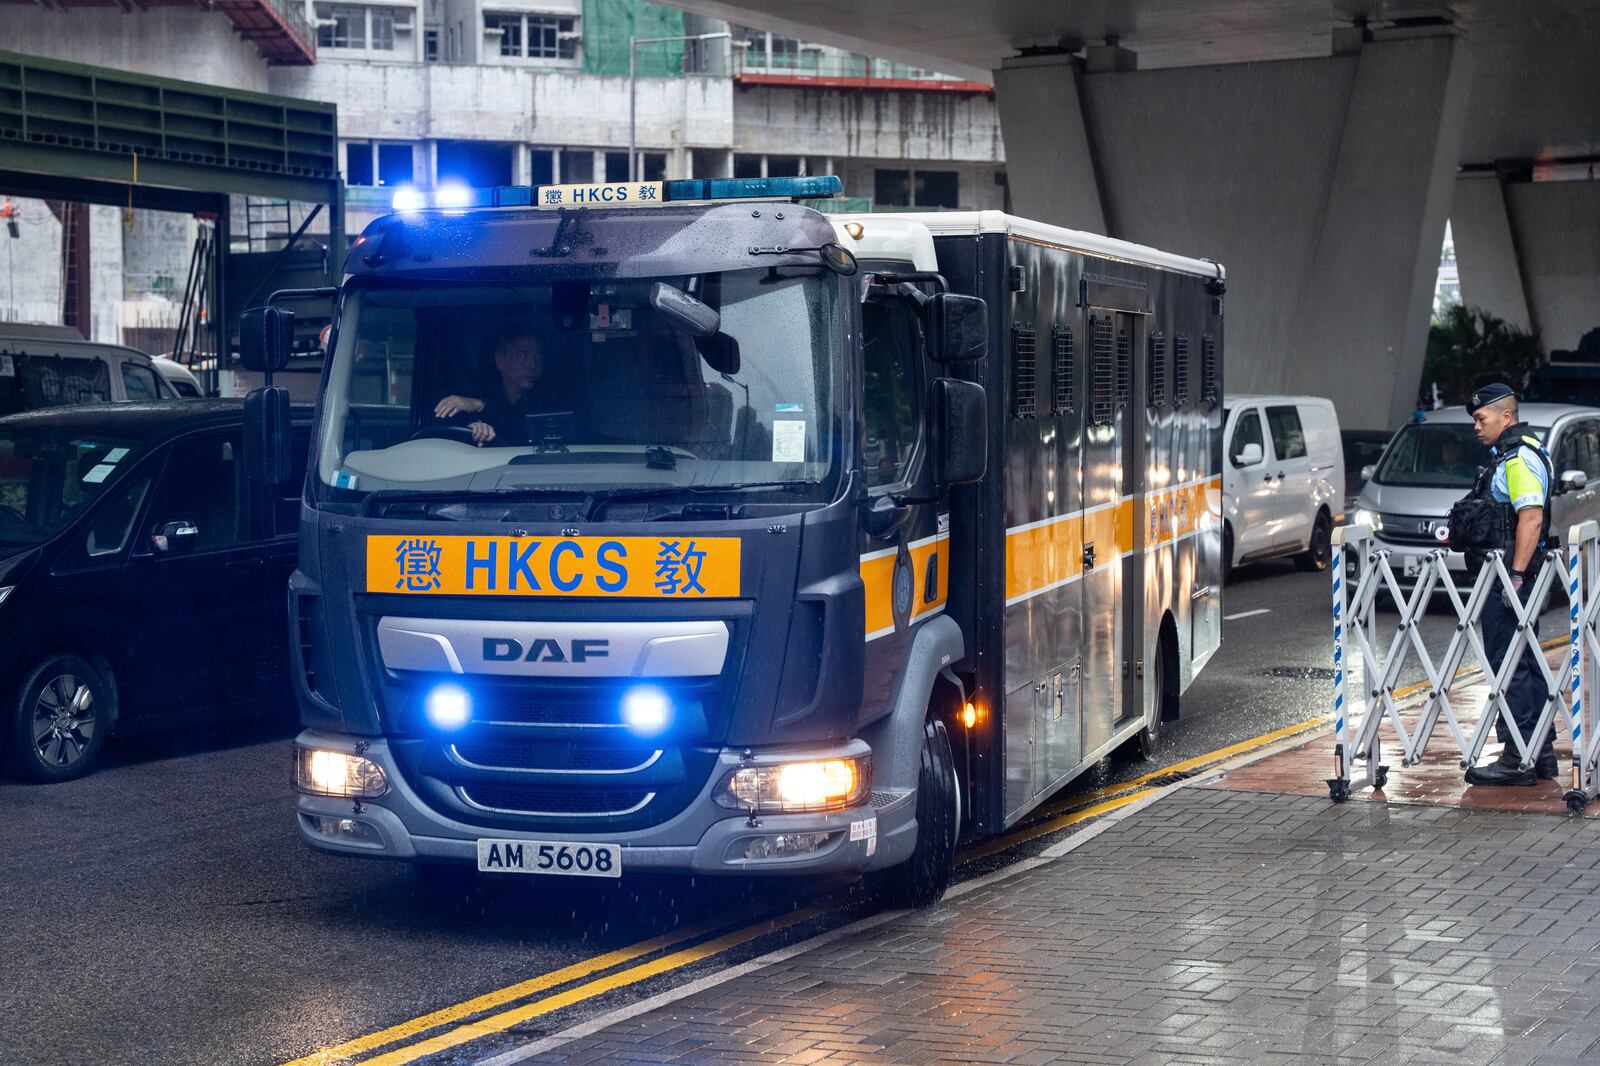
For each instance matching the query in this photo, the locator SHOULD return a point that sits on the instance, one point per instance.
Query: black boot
(1506, 770)
(1545, 767)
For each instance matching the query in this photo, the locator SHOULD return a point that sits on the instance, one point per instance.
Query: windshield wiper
(601, 501)
(385, 497)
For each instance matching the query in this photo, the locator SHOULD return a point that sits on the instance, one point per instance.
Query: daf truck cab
(664, 526)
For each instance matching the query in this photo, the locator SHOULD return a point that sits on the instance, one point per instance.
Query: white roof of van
(958, 223)
(1253, 397)
(38, 337)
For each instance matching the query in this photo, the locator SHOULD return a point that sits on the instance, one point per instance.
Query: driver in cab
(502, 414)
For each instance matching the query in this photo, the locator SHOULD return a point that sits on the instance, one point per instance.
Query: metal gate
(1369, 657)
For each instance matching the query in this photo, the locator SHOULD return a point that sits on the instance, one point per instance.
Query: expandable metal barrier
(1575, 569)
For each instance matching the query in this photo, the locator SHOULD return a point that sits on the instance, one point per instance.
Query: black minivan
(143, 577)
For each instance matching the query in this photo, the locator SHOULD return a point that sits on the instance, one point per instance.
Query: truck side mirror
(960, 327)
(962, 453)
(1573, 481)
(1249, 455)
(267, 436)
(266, 338)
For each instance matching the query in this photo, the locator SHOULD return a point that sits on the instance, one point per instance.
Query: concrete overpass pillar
(1050, 165)
(1323, 184)
(1529, 252)
(1486, 251)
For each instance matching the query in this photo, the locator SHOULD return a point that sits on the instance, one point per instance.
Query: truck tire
(1164, 681)
(1227, 553)
(58, 719)
(921, 880)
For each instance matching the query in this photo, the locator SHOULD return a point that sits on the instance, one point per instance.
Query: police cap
(1488, 394)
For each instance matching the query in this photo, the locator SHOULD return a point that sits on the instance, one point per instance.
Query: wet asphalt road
(163, 910)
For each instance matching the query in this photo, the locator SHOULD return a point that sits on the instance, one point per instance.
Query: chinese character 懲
(678, 568)
(552, 196)
(419, 564)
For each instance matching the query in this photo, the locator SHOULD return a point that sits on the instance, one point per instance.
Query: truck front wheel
(921, 880)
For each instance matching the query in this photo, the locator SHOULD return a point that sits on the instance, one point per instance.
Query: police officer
(1520, 487)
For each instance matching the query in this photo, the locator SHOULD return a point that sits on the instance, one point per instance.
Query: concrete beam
(1486, 252)
(1049, 162)
(1322, 184)
(1556, 225)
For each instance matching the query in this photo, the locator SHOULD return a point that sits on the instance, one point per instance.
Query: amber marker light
(969, 715)
(855, 229)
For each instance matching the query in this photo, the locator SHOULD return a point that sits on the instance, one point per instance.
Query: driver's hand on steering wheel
(482, 432)
(455, 405)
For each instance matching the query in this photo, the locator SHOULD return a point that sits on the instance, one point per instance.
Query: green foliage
(1469, 347)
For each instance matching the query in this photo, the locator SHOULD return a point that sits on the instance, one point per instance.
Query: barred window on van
(1210, 386)
(1180, 371)
(1155, 396)
(1064, 371)
(1102, 367)
(1024, 372)
(1124, 368)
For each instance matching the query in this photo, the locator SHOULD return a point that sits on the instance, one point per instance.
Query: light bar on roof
(621, 193)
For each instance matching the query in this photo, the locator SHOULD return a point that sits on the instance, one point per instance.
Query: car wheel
(59, 720)
(920, 881)
(1315, 558)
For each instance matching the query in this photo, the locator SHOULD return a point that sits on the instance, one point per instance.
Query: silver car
(1431, 463)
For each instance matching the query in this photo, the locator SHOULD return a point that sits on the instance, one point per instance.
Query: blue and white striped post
(1574, 611)
(1339, 785)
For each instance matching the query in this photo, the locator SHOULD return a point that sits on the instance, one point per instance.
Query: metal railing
(1377, 654)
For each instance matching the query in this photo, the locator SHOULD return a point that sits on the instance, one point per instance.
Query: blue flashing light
(453, 195)
(408, 199)
(817, 187)
(646, 710)
(448, 707)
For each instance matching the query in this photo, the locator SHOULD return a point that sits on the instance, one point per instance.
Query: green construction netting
(607, 25)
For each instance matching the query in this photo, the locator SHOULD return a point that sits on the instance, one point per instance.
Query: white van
(1282, 480)
(51, 366)
(180, 377)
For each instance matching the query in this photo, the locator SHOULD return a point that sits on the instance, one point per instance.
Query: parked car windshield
(50, 475)
(583, 385)
(1436, 455)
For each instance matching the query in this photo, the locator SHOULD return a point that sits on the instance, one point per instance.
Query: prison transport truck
(802, 544)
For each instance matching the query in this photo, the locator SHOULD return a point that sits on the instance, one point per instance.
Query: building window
(510, 27)
(916, 188)
(430, 44)
(937, 188)
(380, 28)
(524, 36)
(341, 27)
(355, 26)
(892, 188)
(550, 37)
(394, 164)
(358, 163)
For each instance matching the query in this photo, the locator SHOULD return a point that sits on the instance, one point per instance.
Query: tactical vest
(1480, 524)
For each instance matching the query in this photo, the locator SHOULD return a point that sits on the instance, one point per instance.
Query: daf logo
(543, 650)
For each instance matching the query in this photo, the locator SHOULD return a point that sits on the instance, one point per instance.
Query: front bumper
(704, 838)
(1406, 562)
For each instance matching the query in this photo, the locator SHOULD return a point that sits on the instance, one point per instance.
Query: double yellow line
(1054, 819)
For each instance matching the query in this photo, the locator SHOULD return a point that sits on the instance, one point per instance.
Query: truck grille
(555, 755)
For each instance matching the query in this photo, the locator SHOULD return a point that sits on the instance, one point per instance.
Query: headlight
(1371, 519)
(792, 787)
(334, 773)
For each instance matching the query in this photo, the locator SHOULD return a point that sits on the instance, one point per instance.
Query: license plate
(1412, 565)
(560, 857)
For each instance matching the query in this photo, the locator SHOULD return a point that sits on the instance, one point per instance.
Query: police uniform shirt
(1521, 480)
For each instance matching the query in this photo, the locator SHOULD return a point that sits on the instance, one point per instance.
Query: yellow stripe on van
(877, 575)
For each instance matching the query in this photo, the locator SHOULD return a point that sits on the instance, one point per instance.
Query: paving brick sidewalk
(1213, 926)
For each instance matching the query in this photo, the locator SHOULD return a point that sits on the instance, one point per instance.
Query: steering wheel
(442, 431)
(14, 518)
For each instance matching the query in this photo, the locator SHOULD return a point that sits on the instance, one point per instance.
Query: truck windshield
(583, 386)
(49, 476)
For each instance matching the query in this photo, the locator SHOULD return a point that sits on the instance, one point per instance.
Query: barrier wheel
(1338, 789)
(1577, 802)
(1380, 778)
